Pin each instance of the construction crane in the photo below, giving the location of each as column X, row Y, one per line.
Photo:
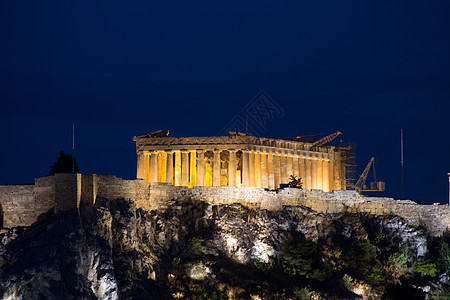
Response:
column 327, row 139
column 376, row 186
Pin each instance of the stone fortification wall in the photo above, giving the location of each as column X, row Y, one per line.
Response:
column 17, row 204
column 67, row 192
column 436, row 218
column 22, row 205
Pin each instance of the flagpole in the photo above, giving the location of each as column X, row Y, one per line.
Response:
column 73, row 147
column 401, row 158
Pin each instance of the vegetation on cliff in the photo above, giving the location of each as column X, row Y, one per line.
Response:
column 193, row 250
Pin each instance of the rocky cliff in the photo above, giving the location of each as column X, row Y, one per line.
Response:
column 194, row 250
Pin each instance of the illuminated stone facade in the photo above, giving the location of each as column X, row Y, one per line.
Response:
column 238, row 160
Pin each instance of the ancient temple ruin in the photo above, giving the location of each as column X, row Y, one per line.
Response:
column 238, row 160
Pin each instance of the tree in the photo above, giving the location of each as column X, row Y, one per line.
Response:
column 63, row 164
column 300, row 257
column 424, row 267
column 295, row 182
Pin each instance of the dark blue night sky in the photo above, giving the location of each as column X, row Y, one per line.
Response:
column 124, row 68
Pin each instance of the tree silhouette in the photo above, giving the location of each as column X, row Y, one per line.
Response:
column 63, row 164
column 295, row 182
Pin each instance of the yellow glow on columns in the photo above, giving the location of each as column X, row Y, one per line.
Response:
column 271, row 171
column 169, row 166
column 184, row 168
column 216, row 168
column 245, row 169
column 331, row 175
column 208, row 174
column 232, row 168
column 308, row 173
column 177, row 168
column 162, row 162
column 238, row 178
column 264, row 178
column 296, row 168
column 153, row 167
column 193, row 169
column 326, row 178
column 319, row 183
column 277, row 170
column 200, row 168
column 258, row 170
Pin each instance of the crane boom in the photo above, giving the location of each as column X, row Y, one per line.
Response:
column 362, row 179
column 327, row 139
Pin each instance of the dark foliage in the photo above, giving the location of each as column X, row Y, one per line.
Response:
column 63, row 164
column 295, row 182
column 300, row 257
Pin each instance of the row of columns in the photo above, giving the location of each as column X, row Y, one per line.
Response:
column 258, row 169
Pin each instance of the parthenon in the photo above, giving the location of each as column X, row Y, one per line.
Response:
column 238, row 160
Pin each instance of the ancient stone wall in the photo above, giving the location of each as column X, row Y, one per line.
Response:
column 17, row 204
column 22, row 205
column 67, row 192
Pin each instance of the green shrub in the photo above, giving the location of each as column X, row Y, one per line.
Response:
column 374, row 275
column 363, row 250
column 348, row 281
column 175, row 262
column 424, row 267
column 444, row 257
column 400, row 258
column 380, row 237
column 196, row 246
column 298, row 256
column 302, row 294
column 301, row 258
column 322, row 273
column 265, row 267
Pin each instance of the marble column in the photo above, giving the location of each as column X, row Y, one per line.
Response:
column 208, row 172
column 331, row 175
column 245, row 168
column 337, row 174
column 314, row 172
column 141, row 166
column 169, row 171
column 264, row 174
column 302, row 170
column 289, row 167
column 258, row 169
column 271, row 170
column 319, row 182
column 296, row 167
column 153, row 166
column 184, row 168
column 162, row 166
column 308, row 173
column 200, row 168
column 251, row 168
column 232, row 168
column 193, row 168
column 326, row 177
column 177, row 168
column 283, row 169
column 216, row 168
column 277, row 170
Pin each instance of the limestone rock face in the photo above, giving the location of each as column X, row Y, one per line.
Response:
column 118, row 251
